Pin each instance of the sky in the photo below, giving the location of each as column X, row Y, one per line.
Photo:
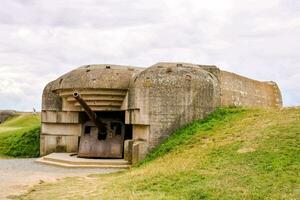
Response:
column 41, row 40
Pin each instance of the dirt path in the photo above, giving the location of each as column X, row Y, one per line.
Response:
column 17, row 175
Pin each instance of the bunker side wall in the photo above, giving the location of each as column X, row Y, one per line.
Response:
column 60, row 129
column 241, row 91
column 170, row 112
column 167, row 97
column 60, row 132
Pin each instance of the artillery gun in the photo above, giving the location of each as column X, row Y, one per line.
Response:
column 101, row 137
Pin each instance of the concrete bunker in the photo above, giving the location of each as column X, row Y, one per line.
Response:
column 6, row 114
column 111, row 111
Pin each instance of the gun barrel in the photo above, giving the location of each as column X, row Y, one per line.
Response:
column 92, row 115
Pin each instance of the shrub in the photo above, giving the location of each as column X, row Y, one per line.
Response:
column 26, row 144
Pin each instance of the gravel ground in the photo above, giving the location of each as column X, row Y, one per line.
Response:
column 17, row 175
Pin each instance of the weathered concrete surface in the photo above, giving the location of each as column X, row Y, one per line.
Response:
column 167, row 96
column 71, row 160
column 154, row 101
column 17, row 175
column 241, row 91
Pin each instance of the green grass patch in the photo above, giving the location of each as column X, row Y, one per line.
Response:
column 186, row 134
column 19, row 136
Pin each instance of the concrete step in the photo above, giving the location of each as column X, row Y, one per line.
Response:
column 67, row 160
column 85, row 161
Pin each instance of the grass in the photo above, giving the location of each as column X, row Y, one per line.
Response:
column 184, row 135
column 19, row 136
column 233, row 154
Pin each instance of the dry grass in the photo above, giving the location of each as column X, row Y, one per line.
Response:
column 238, row 154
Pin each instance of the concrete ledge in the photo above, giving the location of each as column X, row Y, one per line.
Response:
column 69, row 160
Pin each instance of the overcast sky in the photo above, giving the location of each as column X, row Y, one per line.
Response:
column 43, row 39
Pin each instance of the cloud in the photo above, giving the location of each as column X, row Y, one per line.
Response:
column 40, row 40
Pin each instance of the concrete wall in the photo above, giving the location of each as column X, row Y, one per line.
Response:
column 241, row 91
column 60, row 132
column 166, row 97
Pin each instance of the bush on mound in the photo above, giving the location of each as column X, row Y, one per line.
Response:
column 26, row 144
column 20, row 136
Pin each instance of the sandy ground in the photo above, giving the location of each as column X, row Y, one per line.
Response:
column 17, row 175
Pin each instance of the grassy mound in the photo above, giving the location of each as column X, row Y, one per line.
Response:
column 184, row 135
column 233, row 154
column 19, row 136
